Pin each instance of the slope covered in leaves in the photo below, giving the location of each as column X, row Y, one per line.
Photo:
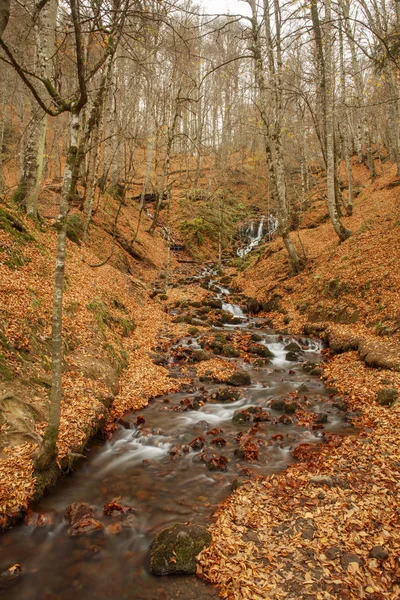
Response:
column 328, row 527
column 110, row 326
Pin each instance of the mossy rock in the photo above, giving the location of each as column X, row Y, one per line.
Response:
column 174, row 549
column 14, row 227
column 302, row 389
column 75, row 228
column 260, row 350
column 292, row 347
column 386, row 396
column 230, row 351
column 227, row 395
column 277, row 404
column 239, row 378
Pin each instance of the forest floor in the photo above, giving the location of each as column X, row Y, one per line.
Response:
column 329, row 526
column 287, row 536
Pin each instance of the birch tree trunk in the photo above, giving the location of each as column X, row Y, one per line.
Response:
column 273, row 143
column 47, row 452
column 338, row 226
column 29, row 185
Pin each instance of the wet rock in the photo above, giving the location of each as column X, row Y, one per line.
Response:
column 203, row 425
column 290, row 407
column 10, row 576
column 236, row 321
column 316, row 372
column 198, row 323
column 260, row 350
column 386, row 396
column 292, row 357
column 200, row 355
column 340, row 404
column 319, row 480
column 379, row 553
column 230, row 351
column 277, row 404
column 237, row 483
column 346, row 559
column 197, row 443
column 159, row 359
column 256, row 337
column 240, row 378
column 77, row 511
column 302, row 389
column 217, row 463
column 85, row 526
column 261, row 417
column 309, row 366
column 321, row 418
column 227, row 395
column 285, row 420
column 254, row 306
column 113, row 508
column 219, row 442
column 226, row 317
column 262, row 362
column 140, row 421
column 331, row 391
column 292, row 347
column 214, row 303
column 242, row 416
column 174, row 550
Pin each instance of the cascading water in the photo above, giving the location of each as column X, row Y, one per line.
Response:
column 152, row 465
column 268, row 225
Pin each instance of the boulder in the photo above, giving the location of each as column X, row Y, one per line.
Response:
column 292, row 356
column 386, row 396
column 230, row 351
column 239, row 378
column 227, row 395
column 214, row 303
column 292, row 347
column 200, row 355
column 174, row 549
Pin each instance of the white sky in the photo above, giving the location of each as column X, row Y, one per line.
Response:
column 236, row 7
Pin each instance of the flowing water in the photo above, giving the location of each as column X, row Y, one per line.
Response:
column 267, row 226
column 151, row 468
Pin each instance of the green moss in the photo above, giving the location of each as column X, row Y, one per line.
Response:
column 14, row 227
column 5, row 372
column 16, row 259
column 119, row 356
column 105, row 318
column 75, row 228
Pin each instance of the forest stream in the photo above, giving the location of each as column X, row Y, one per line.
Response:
column 154, row 465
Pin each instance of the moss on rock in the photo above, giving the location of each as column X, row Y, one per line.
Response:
column 174, row 549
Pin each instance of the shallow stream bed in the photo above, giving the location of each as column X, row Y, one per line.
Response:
column 151, row 467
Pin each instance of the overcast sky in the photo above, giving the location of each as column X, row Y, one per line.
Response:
column 224, row 6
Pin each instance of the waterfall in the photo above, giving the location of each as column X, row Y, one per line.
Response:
column 268, row 225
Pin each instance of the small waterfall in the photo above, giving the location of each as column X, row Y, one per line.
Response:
column 268, row 225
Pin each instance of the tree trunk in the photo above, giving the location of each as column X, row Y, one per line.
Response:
column 339, row 228
column 47, row 452
column 29, row 185
column 4, row 15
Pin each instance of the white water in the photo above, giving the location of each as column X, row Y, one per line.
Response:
column 269, row 228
